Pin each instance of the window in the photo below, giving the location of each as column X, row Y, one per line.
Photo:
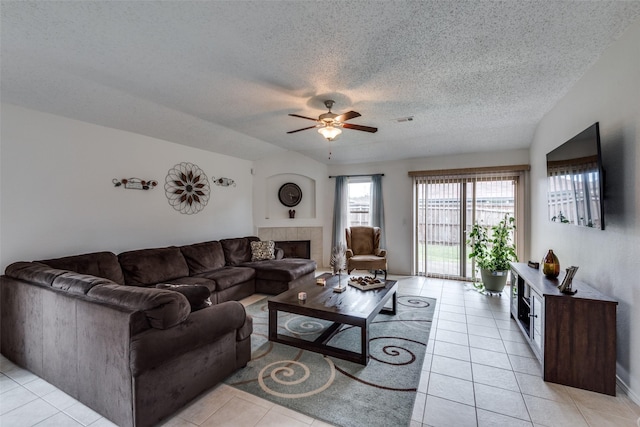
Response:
column 359, row 201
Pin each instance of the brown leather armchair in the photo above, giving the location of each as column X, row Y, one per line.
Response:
column 363, row 250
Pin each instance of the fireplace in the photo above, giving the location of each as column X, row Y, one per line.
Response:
column 295, row 234
column 295, row 248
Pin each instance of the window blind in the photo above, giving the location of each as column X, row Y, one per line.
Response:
column 448, row 202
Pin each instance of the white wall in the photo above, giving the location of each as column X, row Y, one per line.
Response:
column 313, row 211
column 270, row 173
column 608, row 93
column 57, row 198
column 397, row 192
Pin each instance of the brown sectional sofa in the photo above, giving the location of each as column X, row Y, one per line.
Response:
column 96, row 327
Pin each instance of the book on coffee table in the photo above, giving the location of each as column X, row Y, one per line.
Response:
column 366, row 286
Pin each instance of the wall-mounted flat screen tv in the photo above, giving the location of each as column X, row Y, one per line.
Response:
column 575, row 181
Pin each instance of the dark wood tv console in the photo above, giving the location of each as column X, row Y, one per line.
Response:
column 573, row 336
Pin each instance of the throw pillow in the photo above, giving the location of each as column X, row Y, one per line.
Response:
column 263, row 250
column 197, row 295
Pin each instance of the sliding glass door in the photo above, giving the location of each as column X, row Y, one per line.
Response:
column 438, row 233
column 446, row 206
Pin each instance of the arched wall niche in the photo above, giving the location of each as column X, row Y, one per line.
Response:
column 275, row 210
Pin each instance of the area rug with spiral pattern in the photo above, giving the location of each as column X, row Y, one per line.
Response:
column 339, row 392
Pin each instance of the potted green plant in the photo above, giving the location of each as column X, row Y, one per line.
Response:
column 492, row 254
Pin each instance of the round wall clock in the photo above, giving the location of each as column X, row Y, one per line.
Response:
column 290, row 194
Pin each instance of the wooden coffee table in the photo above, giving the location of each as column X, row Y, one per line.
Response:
column 351, row 307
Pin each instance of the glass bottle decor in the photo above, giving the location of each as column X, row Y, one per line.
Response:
column 550, row 265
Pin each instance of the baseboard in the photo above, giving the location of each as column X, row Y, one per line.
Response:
column 634, row 397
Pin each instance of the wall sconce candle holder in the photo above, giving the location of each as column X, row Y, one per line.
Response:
column 134, row 183
column 224, row 182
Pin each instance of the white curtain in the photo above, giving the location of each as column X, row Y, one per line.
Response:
column 377, row 207
column 340, row 211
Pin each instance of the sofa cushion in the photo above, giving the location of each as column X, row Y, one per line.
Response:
column 285, row 269
column 263, row 250
column 33, row 272
column 238, row 250
column 228, row 277
column 146, row 267
column 203, row 257
column 77, row 283
column 197, row 295
column 100, row 264
column 162, row 308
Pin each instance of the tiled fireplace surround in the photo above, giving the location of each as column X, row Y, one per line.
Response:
column 313, row 234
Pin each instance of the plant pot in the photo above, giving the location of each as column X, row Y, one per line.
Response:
column 494, row 281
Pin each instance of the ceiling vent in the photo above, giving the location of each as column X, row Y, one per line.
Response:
column 404, row 119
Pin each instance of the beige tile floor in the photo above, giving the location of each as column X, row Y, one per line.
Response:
column 478, row 371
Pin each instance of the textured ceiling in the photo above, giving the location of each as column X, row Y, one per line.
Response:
column 222, row 76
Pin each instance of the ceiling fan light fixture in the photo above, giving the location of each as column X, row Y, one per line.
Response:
column 329, row 132
column 330, row 124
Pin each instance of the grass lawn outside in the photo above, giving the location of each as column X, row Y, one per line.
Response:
column 442, row 259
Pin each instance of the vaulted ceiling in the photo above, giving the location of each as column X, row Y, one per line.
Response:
column 223, row 76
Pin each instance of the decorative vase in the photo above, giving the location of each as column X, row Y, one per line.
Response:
column 550, row 265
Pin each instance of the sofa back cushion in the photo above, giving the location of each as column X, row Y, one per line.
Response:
column 237, row 251
column 203, row 257
column 100, row 264
column 33, row 272
column 163, row 309
column 147, row 267
column 77, row 283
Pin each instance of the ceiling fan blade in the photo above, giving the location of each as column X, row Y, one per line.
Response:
column 347, row 116
column 303, row 117
column 358, row 127
column 298, row 130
